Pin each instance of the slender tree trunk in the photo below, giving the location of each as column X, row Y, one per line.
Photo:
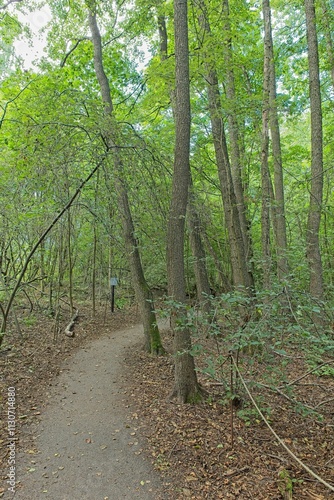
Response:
column 199, row 256
column 236, row 159
column 223, row 280
column 186, row 387
column 328, row 30
column 279, row 224
column 70, row 259
column 240, row 269
column 314, row 216
column 265, row 173
column 42, row 266
column 94, row 268
column 142, row 291
column 94, row 257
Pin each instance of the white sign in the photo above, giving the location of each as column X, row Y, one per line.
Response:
column 113, row 281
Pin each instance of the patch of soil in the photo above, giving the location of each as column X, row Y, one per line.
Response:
column 191, row 445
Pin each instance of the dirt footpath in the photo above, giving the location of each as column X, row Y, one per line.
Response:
column 88, row 448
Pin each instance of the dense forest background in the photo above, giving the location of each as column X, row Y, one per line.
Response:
column 96, row 183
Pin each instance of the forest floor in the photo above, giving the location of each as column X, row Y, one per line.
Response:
column 170, row 451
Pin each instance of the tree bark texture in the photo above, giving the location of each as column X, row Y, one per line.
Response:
column 199, row 256
column 316, row 195
column 266, row 184
column 186, row 387
column 193, row 219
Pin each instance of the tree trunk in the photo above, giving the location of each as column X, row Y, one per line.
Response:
column 278, row 209
column 241, row 275
column 142, row 291
column 186, row 387
column 95, row 240
column 266, row 186
column 199, row 256
column 236, row 161
column 314, row 216
column 193, row 219
column 70, row 259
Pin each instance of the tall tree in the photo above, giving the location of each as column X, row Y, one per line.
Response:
column 234, row 134
column 278, row 206
column 316, row 193
column 242, row 276
column 266, row 187
column 186, row 386
column 192, row 218
column 143, row 293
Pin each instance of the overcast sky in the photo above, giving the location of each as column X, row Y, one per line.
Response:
column 36, row 21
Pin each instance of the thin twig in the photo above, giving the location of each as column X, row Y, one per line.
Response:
column 287, row 449
column 9, row 3
column 324, row 402
column 307, row 373
column 281, row 393
column 67, row 55
column 236, row 472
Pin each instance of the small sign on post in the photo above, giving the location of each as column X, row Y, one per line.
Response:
column 113, row 283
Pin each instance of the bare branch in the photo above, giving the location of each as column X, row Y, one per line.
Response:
column 62, row 64
column 8, row 3
column 12, row 100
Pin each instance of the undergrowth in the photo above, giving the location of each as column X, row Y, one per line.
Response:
column 267, row 336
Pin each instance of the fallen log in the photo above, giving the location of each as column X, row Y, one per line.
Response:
column 69, row 329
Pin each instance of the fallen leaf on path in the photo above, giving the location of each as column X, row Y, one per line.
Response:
column 191, row 478
column 186, row 492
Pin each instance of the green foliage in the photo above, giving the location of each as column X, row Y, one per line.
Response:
column 263, row 334
column 51, row 121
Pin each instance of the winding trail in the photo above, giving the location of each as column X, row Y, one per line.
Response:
column 88, row 448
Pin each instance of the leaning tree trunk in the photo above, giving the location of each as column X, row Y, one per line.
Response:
column 186, row 387
column 142, row 290
column 314, row 216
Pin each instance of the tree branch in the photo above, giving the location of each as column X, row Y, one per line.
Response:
column 14, row 98
column 62, row 64
column 8, row 3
